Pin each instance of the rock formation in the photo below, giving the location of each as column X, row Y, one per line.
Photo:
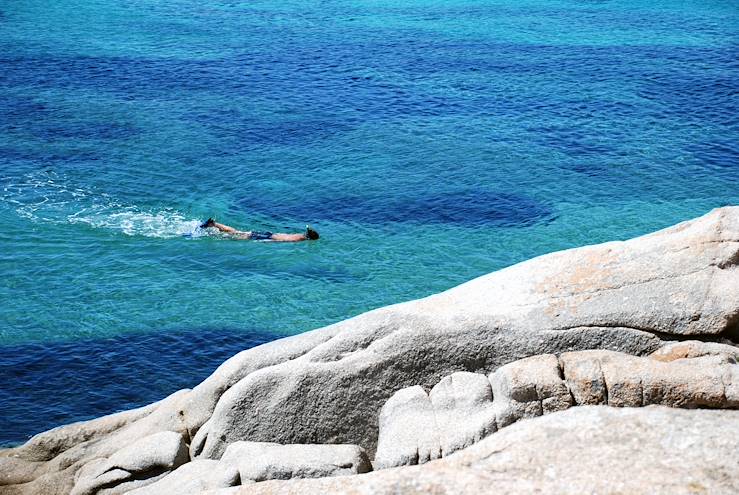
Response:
column 653, row 450
column 464, row 407
column 193, row 478
column 328, row 386
column 259, row 461
column 144, row 461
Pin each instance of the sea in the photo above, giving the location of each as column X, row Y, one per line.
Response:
column 428, row 142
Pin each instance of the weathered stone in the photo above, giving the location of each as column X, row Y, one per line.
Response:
column 197, row 408
column 591, row 449
column 99, row 483
column 162, row 450
column 528, row 388
column 416, row 428
column 731, row 387
column 408, row 430
column 694, row 348
column 463, row 408
column 193, row 478
column 259, row 461
column 621, row 380
column 459, row 415
column 47, row 445
column 16, row 471
column 584, row 379
column 139, row 464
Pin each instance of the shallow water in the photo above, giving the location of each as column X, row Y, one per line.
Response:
column 428, row 143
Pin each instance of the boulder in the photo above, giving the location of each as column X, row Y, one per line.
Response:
column 139, row 464
column 409, row 433
column 528, row 388
column 694, row 348
column 468, row 392
column 603, row 377
column 259, row 461
column 193, row 478
column 415, row 427
column 464, row 407
column 589, row 449
column 328, row 386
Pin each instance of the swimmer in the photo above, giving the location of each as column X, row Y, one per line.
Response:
column 256, row 235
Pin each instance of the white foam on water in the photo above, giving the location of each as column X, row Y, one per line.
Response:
column 135, row 222
column 47, row 197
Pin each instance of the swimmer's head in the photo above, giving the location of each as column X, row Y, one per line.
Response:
column 311, row 234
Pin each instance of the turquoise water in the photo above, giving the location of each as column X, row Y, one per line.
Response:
column 428, row 142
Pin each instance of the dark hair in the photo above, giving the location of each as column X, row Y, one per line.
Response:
column 311, row 234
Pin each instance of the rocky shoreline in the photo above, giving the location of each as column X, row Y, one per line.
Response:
column 457, row 382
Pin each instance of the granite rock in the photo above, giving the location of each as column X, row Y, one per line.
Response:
column 468, row 392
column 694, row 348
column 590, row 449
column 193, row 478
column 411, row 435
column 259, row 461
column 139, row 464
column 412, row 424
column 603, row 377
column 527, row 388
column 620, row 296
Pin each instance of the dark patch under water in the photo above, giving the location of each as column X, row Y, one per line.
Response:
column 65, row 382
column 368, row 98
column 467, row 207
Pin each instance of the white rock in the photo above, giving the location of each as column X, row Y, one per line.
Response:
column 136, row 465
column 193, row 478
column 408, row 430
column 592, row 449
column 462, row 409
column 259, row 461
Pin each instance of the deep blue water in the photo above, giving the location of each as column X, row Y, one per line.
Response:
column 121, row 372
column 428, row 142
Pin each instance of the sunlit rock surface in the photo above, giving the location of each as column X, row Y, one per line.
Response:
column 587, row 449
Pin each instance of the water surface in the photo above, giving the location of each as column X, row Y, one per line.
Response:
column 428, row 142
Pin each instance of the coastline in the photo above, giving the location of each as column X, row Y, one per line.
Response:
column 328, row 386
